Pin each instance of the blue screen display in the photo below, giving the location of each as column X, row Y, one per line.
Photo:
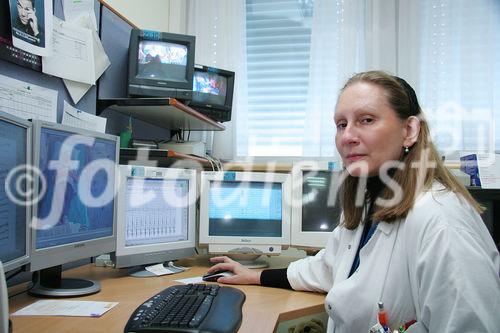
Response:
column 78, row 204
column 251, row 209
column 12, row 216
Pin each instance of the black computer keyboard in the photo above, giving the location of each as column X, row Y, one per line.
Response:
column 189, row 308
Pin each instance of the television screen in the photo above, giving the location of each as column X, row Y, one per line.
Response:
column 160, row 64
column 213, row 88
column 162, row 60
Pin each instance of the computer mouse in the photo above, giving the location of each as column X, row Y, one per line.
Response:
column 212, row 277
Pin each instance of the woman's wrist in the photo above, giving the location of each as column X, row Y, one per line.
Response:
column 256, row 279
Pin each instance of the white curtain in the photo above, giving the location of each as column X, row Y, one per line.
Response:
column 219, row 27
column 450, row 51
column 337, row 51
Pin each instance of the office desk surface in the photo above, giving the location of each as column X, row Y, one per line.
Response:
column 262, row 310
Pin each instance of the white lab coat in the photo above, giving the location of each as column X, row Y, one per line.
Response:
column 438, row 266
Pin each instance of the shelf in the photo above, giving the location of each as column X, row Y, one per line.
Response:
column 163, row 112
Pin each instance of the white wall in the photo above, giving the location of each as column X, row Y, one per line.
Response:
column 146, row 14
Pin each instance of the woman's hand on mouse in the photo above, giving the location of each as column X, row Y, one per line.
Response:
column 242, row 275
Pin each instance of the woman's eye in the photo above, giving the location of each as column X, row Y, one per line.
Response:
column 367, row 120
column 341, row 125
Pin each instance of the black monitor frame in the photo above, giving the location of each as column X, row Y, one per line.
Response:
column 220, row 113
column 142, row 87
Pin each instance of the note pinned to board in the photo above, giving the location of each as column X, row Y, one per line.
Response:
column 73, row 55
column 26, row 100
column 66, row 308
column 80, row 119
column 101, row 62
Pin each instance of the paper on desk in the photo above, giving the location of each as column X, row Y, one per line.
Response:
column 101, row 61
column 73, row 56
column 26, row 100
column 160, row 269
column 74, row 10
column 77, row 118
column 66, row 308
column 196, row 279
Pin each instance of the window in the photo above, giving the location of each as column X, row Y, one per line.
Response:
column 278, row 37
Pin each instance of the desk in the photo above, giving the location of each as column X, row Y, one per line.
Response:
column 263, row 309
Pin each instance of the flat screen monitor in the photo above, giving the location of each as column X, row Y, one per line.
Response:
column 15, row 187
column 245, row 214
column 213, row 92
column 316, row 208
column 156, row 217
column 74, row 217
column 160, row 64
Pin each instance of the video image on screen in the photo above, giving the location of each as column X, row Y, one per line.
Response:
column 77, row 221
column 319, row 211
column 245, row 209
column 162, row 61
column 163, row 218
column 12, row 216
column 211, row 88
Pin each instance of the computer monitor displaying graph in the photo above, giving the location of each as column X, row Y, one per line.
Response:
column 74, row 217
column 15, row 188
column 245, row 214
column 316, row 203
column 156, row 217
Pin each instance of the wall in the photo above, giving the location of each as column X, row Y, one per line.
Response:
column 146, row 14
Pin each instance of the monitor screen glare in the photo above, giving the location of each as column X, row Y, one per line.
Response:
column 12, row 216
column 320, row 210
column 162, row 61
column 213, row 87
column 162, row 218
column 65, row 212
column 249, row 209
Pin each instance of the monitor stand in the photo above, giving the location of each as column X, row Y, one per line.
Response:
column 49, row 283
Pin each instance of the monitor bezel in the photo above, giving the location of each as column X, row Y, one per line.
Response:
column 138, row 35
column 62, row 254
column 228, row 103
column 245, row 176
column 150, row 254
column 299, row 238
column 24, row 259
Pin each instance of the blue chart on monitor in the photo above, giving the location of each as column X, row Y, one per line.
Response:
column 162, row 60
column 157, row 211
column 12, row 216
column 77, row 221
column 245, row 209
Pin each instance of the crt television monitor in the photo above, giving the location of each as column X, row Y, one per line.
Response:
column 15, row 188
column 160, row 64
column 156, row 216
column 316, row 207
column 245, row 214
column 74, row 217
column 213, row 92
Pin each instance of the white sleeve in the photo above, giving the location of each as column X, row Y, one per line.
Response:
column 457, row 279
column 315, row 273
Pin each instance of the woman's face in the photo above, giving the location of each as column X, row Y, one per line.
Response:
column 369, row 133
